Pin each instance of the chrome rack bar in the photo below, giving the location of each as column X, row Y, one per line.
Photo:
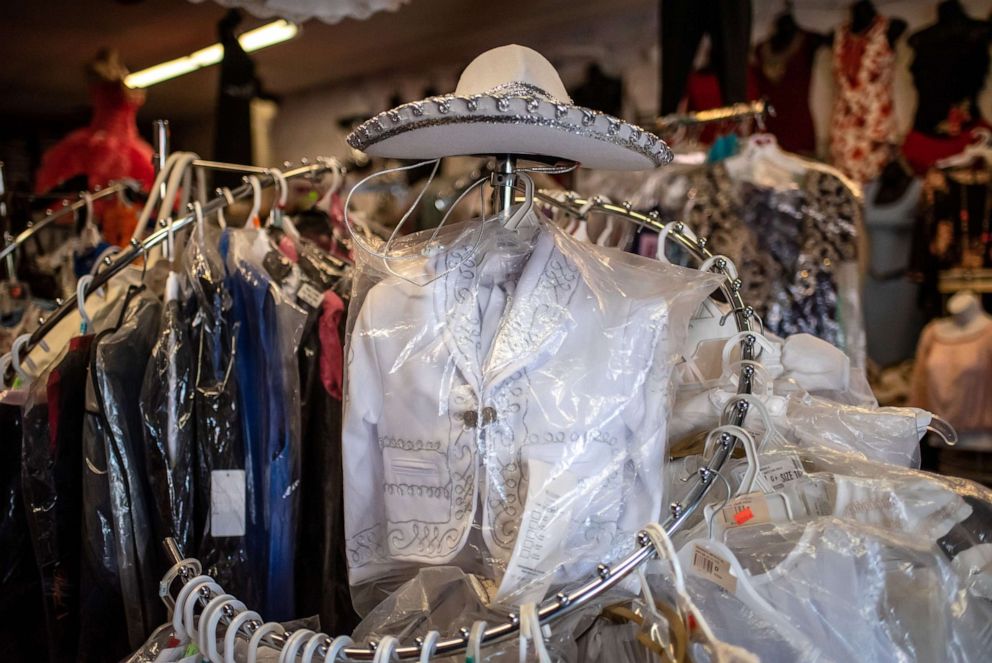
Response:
column 756, row 109
column 51, row 216
column 230, row 167
column 115, row 264
column 608, row 576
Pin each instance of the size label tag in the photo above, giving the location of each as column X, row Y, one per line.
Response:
column 779, row 473
column 749, row 509
column 310, row 296
column 546, row 521
column 713, row 567
column 227, row 503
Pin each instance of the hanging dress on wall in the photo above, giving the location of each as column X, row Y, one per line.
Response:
column 863, row 123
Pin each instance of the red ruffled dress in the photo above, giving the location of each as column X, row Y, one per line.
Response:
column 108, row 149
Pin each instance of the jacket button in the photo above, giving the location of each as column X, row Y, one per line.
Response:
column 470, row 418
column 488, row 415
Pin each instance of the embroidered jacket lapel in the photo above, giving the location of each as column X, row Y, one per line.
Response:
column 538, row 319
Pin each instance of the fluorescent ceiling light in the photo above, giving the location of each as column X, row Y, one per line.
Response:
column 253, row 40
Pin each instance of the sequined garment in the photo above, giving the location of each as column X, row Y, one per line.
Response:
column 785, row 243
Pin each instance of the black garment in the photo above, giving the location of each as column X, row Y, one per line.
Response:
column 52, row 473
column 218, row 434
column 321, row 565
column 22, row 617
column 683, row 24
column 950, row 63
column 118, row 370
column 103, row 636
column 953, row 230
column 170, row 427
column 600, row 91
column 238, row 86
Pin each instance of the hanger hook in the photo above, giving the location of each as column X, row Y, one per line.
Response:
column 15, row 354
column 81, row 285
column 256, row 201
column 5, row 362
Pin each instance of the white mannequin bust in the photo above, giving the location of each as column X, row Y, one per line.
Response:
column 967, row 315
column 966, row 319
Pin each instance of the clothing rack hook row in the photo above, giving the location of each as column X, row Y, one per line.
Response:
column 140, row 248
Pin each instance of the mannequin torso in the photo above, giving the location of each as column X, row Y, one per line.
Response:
column 967, row 316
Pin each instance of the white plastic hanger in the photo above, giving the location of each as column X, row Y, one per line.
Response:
column 188, row 590
column 256, row 202
column 530, row 631
column 605, row 238
column 229, row 199
column 209, row 621
column 763, row 162
column 5, row 362
column 430, row 644
column 279, row 204
column 256, row 639
column 979, row 149
column 336, row 650
column 231, row 634
column 473, row 647
column 198, row 214
column 15, row 355
column 81, row 286
column 386, row 651
column 293, row 644
column 750, row 452
column 745, row 590
column 316, row 641
column 663, row 238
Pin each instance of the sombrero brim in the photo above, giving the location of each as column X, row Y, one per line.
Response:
column 509, row 124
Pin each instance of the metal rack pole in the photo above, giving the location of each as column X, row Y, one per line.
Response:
column 51, row 216
column 503, row 179
column 608, row 576
column 163, row 137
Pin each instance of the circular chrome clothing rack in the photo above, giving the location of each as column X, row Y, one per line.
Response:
column 569, row 600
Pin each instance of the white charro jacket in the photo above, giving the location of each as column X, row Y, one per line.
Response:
column 523, row 394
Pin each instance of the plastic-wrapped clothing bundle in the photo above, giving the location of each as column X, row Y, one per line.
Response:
column 507, row 402
column 267, row 342
column 853, row 591
column 167, row 408
column 118, row 369
column 22, row 618
column 885, row 434
column 103, row 636
column 52, row 473
column 810, row 483
column 222, row 547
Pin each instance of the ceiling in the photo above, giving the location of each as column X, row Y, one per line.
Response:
column 46, row 43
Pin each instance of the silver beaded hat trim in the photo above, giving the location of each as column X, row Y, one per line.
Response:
column 511, row 103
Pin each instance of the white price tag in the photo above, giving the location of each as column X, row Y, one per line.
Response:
column 310, row 295
column 227, row 503
column 781, row 472
column 749, row 509
column 713, row 567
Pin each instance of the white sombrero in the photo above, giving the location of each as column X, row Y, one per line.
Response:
column 509, row 100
